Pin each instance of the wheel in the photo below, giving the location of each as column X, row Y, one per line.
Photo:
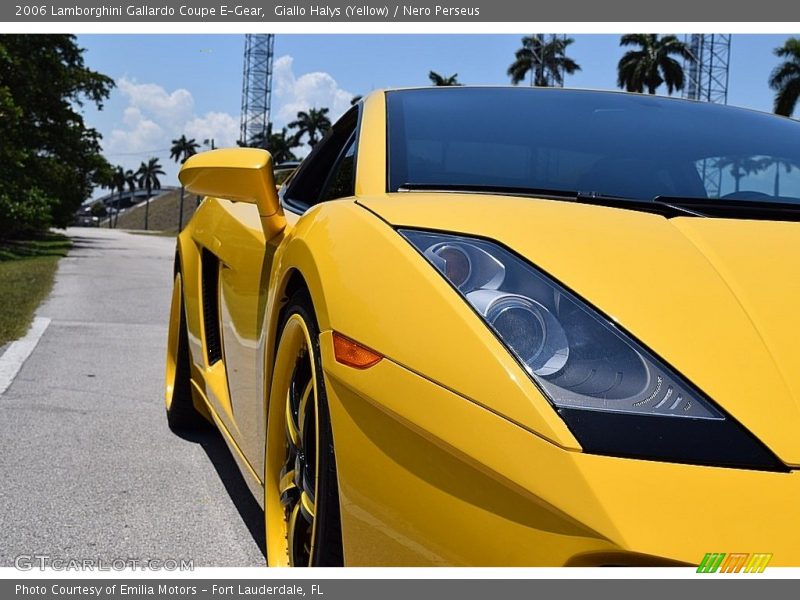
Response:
column 301, row 498
column 181, row 413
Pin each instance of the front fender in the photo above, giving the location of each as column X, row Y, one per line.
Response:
column 368, row 283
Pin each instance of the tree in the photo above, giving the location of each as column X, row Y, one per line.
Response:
column 130, row 181
column 740, row 166
column 312, row 123
column 98, row 209
column 147, row 176
column 652, row 64
column 182, row 149
column 118, row 185
column 785, row 78
column 787, row 166
column 49, row 159
column 280, row 146
column 442, row 81
column 545, row 60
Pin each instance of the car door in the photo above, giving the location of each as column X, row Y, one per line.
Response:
column 327, row 173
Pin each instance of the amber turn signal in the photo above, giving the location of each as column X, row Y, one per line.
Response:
column 353, row 354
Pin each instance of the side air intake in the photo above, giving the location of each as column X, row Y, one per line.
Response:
column 210, row 268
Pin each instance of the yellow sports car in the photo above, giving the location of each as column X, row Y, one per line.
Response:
column 501, row 326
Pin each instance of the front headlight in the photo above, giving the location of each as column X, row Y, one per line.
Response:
column 615, row 395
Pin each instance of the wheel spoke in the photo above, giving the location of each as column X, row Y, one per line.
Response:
column 307, row 506
column 301, row 411
column 288, row 490
column 297, row 480
column 291, row 533
column 292, row 431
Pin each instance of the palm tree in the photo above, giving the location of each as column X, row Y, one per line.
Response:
column 108, row 184
column 118, row 185
column 441, row 80
column 653, row 63
column 545, row 60
column 787, row 166
column 313, row 123
column 280, row 146
column 147, row 176
column 129, row 179
column 785, row 78
column 740, row 167
column 180, row 151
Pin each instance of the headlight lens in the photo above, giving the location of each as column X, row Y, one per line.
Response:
column 598, row 377
column 579, row 358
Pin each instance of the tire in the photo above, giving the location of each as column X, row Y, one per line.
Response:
column 325, row 530
column 181, row 413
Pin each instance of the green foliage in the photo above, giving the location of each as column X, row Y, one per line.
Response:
column 785, row 78
column 49, row 159
column 313, row 123
column 545, row 59
column 24, row 212
column 183, row 148
column 98, row 209
column 443, row 81
column 652, row 64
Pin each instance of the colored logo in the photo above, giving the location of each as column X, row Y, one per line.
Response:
column 719, row 562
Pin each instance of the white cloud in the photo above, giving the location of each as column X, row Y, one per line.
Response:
column 292, row 93
column 219, row 126
column 155, row 100
column 154, row 116
column 140, row 133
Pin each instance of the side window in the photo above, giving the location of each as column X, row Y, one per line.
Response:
column 341, row 183
column 325, row 169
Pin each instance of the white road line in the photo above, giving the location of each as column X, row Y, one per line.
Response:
column 18, row 352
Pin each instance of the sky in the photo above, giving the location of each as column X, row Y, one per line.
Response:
column 169, row 85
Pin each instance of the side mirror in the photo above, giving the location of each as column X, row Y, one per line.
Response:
column 240, row 175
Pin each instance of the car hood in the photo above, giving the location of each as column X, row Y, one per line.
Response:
column 718, row 299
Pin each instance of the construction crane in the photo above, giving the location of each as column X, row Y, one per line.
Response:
column 255, row 124
column 707, row 79
column 707, row 76
column 540, row 72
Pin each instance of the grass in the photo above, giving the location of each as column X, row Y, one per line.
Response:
column 27, row 269
column 163, row 213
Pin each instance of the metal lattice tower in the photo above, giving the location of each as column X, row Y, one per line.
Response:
column 707, row 80
column 538, row 59
column 256, row 89
column 707, row 77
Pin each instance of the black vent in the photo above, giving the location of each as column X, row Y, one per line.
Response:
column 210, row 266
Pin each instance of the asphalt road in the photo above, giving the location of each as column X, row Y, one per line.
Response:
column 89, row 468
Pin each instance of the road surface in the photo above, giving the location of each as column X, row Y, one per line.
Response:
column 89, row 468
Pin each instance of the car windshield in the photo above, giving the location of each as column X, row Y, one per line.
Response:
column 603, row 143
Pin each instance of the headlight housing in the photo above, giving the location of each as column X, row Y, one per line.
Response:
column 615, row 395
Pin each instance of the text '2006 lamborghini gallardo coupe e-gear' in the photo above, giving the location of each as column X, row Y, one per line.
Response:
column 500, row 326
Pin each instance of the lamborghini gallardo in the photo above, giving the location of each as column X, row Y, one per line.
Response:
column 501, row 326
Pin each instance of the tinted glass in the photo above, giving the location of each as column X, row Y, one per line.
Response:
column 342, row 183
column 305, row 188
column 615, row 144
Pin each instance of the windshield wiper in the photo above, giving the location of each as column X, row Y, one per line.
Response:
column 476, row 188
column 735, row 209
column 656, row 206
column 667, row 206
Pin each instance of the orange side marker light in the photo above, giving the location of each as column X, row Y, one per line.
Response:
column 353, row 354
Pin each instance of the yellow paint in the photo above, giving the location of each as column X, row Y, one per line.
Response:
column 446, row 451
